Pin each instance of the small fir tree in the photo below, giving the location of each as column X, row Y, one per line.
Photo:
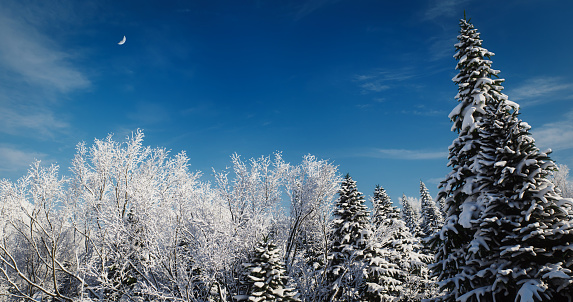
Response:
column 403, row 273
column 410, row 216
column 432, row 219
column 267, row 279
column 381, row 207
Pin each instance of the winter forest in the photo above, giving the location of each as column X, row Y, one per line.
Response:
column 132, row 223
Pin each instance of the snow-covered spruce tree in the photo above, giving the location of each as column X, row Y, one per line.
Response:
column 432, row 219
column 399, row 268
column 410, row 216
column 507, row 236
column 383, row 277
column 267, row 279
column 349, row 238
column 522, row 245
column 381, row 207
column 442, row 206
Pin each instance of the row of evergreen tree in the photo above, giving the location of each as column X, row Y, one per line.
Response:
column 377, row 255
column 503, row 231
column 133, row 224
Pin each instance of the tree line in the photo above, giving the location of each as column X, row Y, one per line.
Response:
column 133, row 223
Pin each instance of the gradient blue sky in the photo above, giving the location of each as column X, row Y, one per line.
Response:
column 365, row 84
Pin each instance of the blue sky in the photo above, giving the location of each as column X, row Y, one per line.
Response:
column 365, row 84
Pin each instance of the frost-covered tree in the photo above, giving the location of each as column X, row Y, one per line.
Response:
column 410, row 215
column 311, row 187
column 40, row 258
column 431, row 216
column 507, row 233
column 349, row 238
column 266, row 276
column 560, row 178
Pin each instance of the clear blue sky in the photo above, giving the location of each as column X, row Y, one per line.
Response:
column 365, row 84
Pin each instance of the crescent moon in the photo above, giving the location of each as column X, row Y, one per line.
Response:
column 122, row 41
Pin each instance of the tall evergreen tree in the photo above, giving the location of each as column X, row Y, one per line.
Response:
column 384, row 278
column 508, row 232
column 349, row 239
column 432, row 219
column 410, row 216
column 382, row 207
column 267, row 279
column 399, row 268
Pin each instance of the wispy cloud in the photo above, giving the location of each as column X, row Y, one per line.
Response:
column 36, row 70
column 34, row 58
column 406, row 154
column 380, row 80
column 541, row 90
column 38, row 121
column 443, row 8
column 311, row 6
column 149, row 113
column 15, row 160
column 423, row 110
column 441, row 47
column 556, row 135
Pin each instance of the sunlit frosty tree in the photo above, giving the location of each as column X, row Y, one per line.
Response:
column 560, row 178
column 508, row 234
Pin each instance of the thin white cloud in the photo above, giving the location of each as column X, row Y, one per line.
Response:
column 556, row 135
column 311, row 6
column 407, row 154
column 374, row 86
column 434, row 181
column 441, row 47
column 15, row 160
column 37, row 72
column 541, row 90
column 37, row 121
column 149, row 113
column 443, row 8
column 423, row 110
column 34, row 58
column 381, row 80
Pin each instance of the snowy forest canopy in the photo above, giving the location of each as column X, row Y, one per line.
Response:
column 132, row 223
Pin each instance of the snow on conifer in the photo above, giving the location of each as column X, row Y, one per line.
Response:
column 349, row 238
column 410, row 215
column 508, row 236
column 400, row 270
column 459, row 190
column 432, row 219
column 381, row 206
column 266, row 279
